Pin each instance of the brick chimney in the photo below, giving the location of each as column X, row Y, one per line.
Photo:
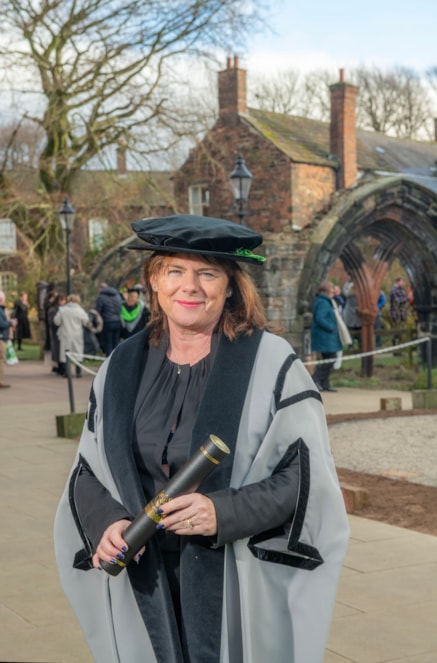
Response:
column 343, row 140
column 232, row 89
column 121, row 158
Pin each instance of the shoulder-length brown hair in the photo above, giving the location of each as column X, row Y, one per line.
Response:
column 243, row 311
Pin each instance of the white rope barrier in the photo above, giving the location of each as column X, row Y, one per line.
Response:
column 78, row 358
column 417, row 341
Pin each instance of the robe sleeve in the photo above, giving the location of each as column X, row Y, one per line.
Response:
column 257, row 507
column 96, row 508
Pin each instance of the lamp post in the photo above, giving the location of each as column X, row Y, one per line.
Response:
column 66, row 218
column 241, row 179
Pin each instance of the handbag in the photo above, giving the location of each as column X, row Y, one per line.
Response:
column 11, row 355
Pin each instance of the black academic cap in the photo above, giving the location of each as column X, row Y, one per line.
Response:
column 201, row 235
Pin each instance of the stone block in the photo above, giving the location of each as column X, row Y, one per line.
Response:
column 70, row 425
column 394, row 403
column 355, row 498
column 424, row 399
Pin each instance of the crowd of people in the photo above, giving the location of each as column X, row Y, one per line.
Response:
column 336, row 322
column 69, row 327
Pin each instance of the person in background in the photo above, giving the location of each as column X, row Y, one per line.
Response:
column 382, row 300
column 90, row 334
column 134, row 313
column 48, row 303
column 398, row 306
column 22, row 328
column 5, row 328
column 339, row 299
column 248, row 565
column 350, row 312
column 71, row 319
column 108, row 305
column 59, row 300
column 325, row 337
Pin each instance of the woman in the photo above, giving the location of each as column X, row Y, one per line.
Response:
column 325, row 337
column 70, row 320
column 350, row 312
column 245, row 569
column 134, row 314
column 20, row 313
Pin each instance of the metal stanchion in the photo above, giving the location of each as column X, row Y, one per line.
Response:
column 70, row 384
column 429, row 361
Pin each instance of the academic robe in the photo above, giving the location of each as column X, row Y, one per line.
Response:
column 273, row 593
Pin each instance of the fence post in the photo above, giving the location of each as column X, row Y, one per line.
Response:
column 429, row 361
column 70, row 385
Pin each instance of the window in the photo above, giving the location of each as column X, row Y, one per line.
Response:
column 8, row 236
column 97, row 230
column 8, row 281
column 198, row 198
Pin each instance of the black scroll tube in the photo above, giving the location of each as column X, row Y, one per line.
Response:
column 186, row 480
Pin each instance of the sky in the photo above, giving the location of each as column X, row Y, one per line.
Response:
column 334, row 34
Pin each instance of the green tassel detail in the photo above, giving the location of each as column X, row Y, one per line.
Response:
column 246, row 253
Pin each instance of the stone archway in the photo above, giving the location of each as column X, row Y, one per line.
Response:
column 400, row 214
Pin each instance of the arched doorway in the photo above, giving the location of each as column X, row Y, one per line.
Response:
column 400, row 215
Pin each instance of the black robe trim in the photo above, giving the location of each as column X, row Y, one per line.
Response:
column 297, row 554
column 82, row 559
column 201, row 567
column 91, row 411
column 297, row 398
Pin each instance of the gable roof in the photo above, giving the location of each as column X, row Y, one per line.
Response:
column 307, row 141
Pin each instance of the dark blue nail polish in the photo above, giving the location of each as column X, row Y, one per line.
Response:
column 120, row 556
column 100, row 568
column 160, row 511
column 124, row 548
column 160, row 526
column 113, row 561
column 138, row 559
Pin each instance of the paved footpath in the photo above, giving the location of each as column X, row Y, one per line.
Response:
column 387, row 600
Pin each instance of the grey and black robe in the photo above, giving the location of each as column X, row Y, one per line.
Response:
column 266, row 597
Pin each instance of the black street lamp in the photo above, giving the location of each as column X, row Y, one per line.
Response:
column 66, row 218
column 241, row 179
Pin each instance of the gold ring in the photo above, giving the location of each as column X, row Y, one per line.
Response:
column 189, row 524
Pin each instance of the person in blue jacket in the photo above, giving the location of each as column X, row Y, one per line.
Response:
column 325, row 337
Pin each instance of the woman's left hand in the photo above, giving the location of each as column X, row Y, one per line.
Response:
column 188, row 515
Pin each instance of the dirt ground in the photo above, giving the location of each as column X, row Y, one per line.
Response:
column 396, row 501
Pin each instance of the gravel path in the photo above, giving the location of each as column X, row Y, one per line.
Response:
column 397, row 447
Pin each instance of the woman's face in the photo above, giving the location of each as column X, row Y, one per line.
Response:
column 191, row 292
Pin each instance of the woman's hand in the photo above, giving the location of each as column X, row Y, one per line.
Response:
column 112, row 546
column 188, row 515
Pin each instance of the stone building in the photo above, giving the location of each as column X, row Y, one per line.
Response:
column 321, row 192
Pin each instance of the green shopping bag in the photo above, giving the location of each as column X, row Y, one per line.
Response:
column 11, row 355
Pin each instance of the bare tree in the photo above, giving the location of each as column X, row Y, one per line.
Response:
column 278, row 93
column 316, row 102
column 393, row 102
column 102, row 67
column 292, row 93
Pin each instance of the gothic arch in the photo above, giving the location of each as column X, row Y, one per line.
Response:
column 400, row 215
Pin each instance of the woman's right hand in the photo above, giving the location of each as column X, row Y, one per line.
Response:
column 112, row 545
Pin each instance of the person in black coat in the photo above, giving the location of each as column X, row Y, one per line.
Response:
column 108, row 305
column 22, row 329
